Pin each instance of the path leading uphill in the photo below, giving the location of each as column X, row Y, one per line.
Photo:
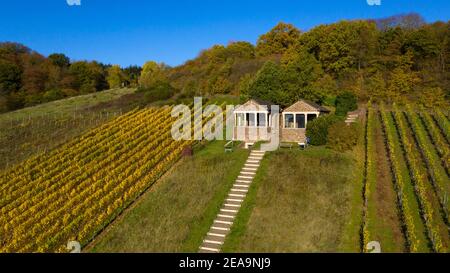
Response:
column 352, row 116
column 224, row 220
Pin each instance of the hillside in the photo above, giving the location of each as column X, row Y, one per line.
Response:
column 87, row 152
column 396, row 59
column 72, row 192
column 175, row 214
column 41, row 128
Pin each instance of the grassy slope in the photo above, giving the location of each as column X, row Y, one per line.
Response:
column 351, row 239
column 66, row 106
column 300, row 202
column 31, row 130
column 176, row 214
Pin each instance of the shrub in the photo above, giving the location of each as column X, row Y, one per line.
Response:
column 160, row 90
column 53, row 94
column 345, row 103
column 317, row 130
column 342, row 137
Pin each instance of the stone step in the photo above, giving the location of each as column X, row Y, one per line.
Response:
column 243, row 181
column 253, row 161
column 232, row 205
column 220, row 228
column 239, row 190
column 245, row 177
column 248, row 173
column 216, row 234
column 225, row 218
column 213, row 242
column 236, row 195
column 229, row 210
column 209, row 249
column 223, row 222
column 234, row 200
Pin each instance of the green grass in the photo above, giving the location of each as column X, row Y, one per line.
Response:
column 66, row 106
column 351, row 239
column 176, row 214
column 300, row 201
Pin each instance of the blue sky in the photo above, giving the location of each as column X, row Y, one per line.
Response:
column 129, row 32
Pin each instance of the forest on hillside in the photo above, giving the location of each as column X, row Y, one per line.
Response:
column 396, row 59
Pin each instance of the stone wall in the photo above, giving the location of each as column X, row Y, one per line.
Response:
column 292, row 135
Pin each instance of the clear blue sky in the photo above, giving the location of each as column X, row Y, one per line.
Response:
column 133, row 31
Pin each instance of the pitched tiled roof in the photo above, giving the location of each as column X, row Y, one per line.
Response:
column 305, row 106
column 255, row 105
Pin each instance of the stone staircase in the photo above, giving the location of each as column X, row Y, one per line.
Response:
column 352, row 116
column 224, row 220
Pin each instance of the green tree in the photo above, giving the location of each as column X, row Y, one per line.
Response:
column 345, row 103
column 342, row 47
column 244, row 87
column 268, row 85
column 317, row 130
column 301, row 70
column 277, row 40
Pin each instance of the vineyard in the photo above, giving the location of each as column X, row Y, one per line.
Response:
column 406, row 203
column 73, row 192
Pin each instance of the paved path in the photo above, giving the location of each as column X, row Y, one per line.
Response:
column 224, row 220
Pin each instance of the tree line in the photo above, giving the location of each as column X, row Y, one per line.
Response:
column 28, row 78
column 397, row 59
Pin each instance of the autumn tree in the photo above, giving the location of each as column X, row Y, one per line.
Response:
column 88, row 76
column 132, row 74
column 377, row 87
column 152, row 73
column 433, row 97
column 115, row 76
column 401, row 84
column 59, row 59
column 277, row 40
column 243, row 50
column 10, row 77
